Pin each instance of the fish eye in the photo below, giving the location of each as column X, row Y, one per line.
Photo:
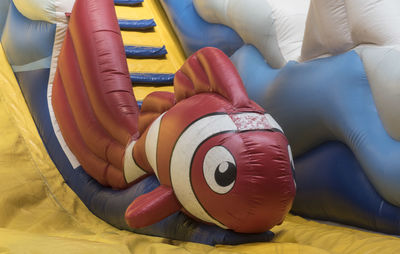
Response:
column 219, row 169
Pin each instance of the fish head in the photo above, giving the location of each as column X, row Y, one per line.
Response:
column 240, row 178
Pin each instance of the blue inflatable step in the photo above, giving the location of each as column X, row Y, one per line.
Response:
column 142, row 24
column 153, row 79
column 140, row 52
column 127, row 2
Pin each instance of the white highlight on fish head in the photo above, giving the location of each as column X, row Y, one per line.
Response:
column 251, row 121
column 151, row 143
column 181, row 159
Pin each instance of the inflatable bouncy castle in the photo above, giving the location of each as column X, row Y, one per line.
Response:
column 152, row 126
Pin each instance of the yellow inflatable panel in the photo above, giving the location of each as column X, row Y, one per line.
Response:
column 40, row 214
column 162, row 35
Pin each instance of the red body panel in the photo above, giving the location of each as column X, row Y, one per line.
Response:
column 101, row 57
column 97, row 138
column 99, row 169
column 94, row 87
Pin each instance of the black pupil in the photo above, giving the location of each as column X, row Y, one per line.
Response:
column 226, row 177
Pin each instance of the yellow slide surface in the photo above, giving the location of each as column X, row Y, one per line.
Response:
column 40, row 214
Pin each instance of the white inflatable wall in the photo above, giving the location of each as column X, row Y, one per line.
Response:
column 274, row 27
column 46, row 10
column 372, row 29
column 303, row 30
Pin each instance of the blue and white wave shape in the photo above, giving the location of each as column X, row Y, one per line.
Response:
column 334, row 97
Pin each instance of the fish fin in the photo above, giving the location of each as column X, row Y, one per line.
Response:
column 154, row 105
column 209, row 70
column 94, row 102
column 152, row 207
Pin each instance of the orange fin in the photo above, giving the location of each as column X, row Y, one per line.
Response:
column 154, row 105
column 152, row 207
column 209, row 70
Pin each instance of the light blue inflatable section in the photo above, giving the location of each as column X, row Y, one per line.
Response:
column 253, row 69
column 17, row 31
column 331, row 185
column 323, row 100
column 330, row 99
column 4, row 5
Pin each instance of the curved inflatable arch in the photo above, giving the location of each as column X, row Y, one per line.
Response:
column 349, row 100
column 34, row 62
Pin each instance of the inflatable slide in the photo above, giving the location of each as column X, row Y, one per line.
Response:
column 48, row 199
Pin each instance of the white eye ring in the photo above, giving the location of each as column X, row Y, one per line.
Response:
column 219, row 169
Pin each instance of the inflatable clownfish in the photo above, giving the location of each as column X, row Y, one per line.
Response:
column 218, row 156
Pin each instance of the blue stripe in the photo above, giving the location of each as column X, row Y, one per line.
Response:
column 194, row 33
column 127, row 2
column 332, row 185
column 134, row 51
column 142, row 24
column 153, row 78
